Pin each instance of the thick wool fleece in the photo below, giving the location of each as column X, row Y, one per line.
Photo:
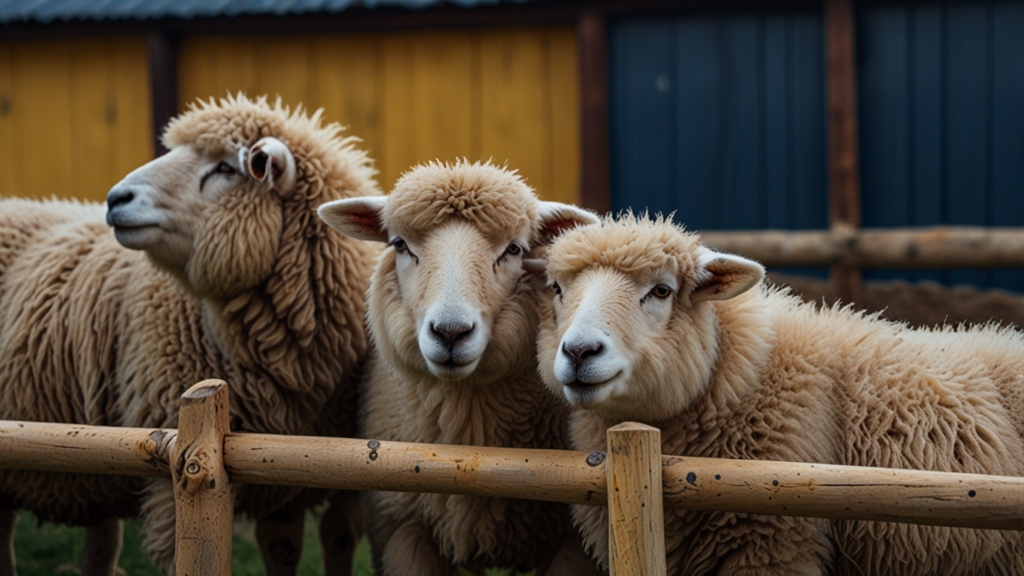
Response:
column 93, row 333
column 790, row 381
column 503, row 403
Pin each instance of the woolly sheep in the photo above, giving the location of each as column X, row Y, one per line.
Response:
column 648, row 325
column 231, row 275
column 451, row 309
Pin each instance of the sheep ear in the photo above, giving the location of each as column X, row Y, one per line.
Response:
column 556, row 218
column 361, row 218
column 724, row 276
column 271, row 162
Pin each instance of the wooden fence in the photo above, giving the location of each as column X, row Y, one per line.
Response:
column 202, row 458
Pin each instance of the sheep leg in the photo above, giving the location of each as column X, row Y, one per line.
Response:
column 341, row 528
column 8, row 520
column 570, row 559
column 411, row 551
column 102, row 548
column 158, row 523
column 280, row 542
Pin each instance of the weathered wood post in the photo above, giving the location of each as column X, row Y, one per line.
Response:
column 202, row 495
column 636, row 517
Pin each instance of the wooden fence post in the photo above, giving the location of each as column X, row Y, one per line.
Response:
column 202, row 496
column 636, row 517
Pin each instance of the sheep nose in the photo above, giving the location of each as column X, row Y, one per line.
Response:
column 119, row 196
column 450, row 332
column 579, row 352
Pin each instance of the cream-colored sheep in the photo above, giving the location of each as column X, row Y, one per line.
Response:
column 231, row 275
column 452, row 312
column 645, row 324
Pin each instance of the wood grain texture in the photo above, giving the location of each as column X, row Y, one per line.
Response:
column 921, row 248
column 76, row 118
column 636, row 515
column 507, row 94
column 203, row 504
column 752, row 486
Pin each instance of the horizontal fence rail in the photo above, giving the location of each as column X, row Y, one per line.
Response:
column 752, row 486
column 928, row 247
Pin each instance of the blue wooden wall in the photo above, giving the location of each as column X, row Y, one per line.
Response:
column 722, row 119
column 941, row 95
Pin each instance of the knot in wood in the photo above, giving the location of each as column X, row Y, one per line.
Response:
column 193, row 468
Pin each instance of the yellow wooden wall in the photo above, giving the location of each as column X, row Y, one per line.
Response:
column 74, row 116
column 506, row 94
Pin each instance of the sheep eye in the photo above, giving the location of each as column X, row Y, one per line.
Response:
column 225, row 168
column 660, row 292
column 400, row 245
column 514, row 249
column 557, row 288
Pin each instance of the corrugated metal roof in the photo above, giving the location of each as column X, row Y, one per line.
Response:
column 50, row 10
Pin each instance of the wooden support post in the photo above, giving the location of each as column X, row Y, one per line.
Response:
column 162, row 53
column 202, row 495
column 636, row 522
column 843, row 157
column 595, row 185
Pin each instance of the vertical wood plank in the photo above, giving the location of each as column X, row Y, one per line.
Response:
column 203, row 503
column 1007, row 207
column 348, row 69
column 700, row 102
column 636, row 524
column 445, row 96
column 740, row 178
column 777, row 123
column 515, row 119
column 41, row 105
column 162, row 56
column 282, row 68
column 133, row 136
column 93, row 111
column 7, row 134
column 844, row 165
column 397, row 127
column 563, row 67
column 592, row 33
column 642, row 123
column 215, row 66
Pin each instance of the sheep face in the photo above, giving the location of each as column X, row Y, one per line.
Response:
column 454, row 280
column 631, row 332
column 211, row 217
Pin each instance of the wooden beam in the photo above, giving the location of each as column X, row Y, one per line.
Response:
column 636, row 515
column 204, row 508
column 921, row 248
column 595, row 173
column 751, row 486
column 843, row 157
column 162, row 53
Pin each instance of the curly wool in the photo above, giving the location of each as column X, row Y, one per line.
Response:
column 93, row 333
column 503, row 403
column 795, row 382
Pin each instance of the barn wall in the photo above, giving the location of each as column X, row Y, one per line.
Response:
column 507, row 94
column 74, row 116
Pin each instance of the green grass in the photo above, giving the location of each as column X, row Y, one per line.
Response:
column 53, row 550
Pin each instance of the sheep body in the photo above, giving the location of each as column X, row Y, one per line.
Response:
column 763, row 376
column 268, row 301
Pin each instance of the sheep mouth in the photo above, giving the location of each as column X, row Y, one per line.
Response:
column 137, row 237
column 581, row 385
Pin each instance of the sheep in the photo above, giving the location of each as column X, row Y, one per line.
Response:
column 646, row 324
column 229, row 274
column 452, row 313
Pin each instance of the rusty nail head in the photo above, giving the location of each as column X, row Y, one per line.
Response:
column 595, row 458
column 193, row 468
column 373, row 444
column 373, row 455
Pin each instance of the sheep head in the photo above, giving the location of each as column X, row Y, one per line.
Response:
column 630, row 331
column 452, row 298
column 240, row 182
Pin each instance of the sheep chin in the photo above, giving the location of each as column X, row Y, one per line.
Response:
column 452, row 372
